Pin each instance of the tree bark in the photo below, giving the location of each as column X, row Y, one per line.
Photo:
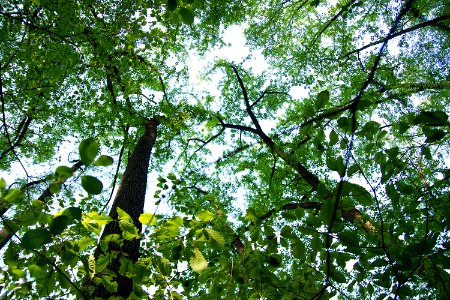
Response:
column 130, row 197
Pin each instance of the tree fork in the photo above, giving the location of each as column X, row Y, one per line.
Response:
column 130, row 197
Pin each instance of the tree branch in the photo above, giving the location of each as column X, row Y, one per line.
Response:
column 394, row 35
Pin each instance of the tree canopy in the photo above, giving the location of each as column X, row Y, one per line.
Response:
column 255, row 190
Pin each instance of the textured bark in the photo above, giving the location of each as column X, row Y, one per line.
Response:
column 130, row 197
column 7, row 232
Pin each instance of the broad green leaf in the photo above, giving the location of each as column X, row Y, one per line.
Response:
column 14, row 196
column 126, row 267
column 205, row 216
column 123, row 214
column 170, row 229
column 198, row 262
column 129, row 231
column 187, row 15
column 322, row 99
column 88, row 150
column 104, row 160
column 109, row 283
column 35, row 238
column 334, row 138
column 336, row 164
column 59, row 224
column 431, row 118
column 172, row 4
column 164, row 266
column 85, row 241
column 73, row 213
column 2, row 184
column 148, row 219
column 29, row 218
column 91, row 184
column 54, row 187
column 63, row 172
column 216, row 236
column 361, row 194
column 37, row 272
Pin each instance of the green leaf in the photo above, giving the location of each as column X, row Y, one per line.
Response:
column 35, row 238
column 59, row 224
column 63, row 172
column 334, row 138
column 434, row 135
column 88, row 150
column 361, row 195
column 198, row 262
column 2, row 184
column 336, row 164
column 91, row 184
column 73, row 213
column 164, row 266
column 172, row 4
column 37, row 272
column 104, row 160
column 54, row 187
column 322, row 99
column 216, row 237
column 187, row 15
column 14, row 196
column 431, row 118
column 148, row 219
column 109, row 283
column 205, row 216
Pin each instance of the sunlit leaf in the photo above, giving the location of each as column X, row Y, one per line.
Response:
column 205, row 216
column 148, row 219
column 14, row 196
column 198, row 262
column 216, row 236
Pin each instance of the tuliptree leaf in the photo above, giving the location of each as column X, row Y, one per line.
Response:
column 91, row 184
column 88, row 150
column 35, row 238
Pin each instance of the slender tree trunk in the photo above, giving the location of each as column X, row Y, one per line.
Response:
column 130, row 197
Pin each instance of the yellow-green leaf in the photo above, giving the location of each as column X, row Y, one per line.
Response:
column 198, row 262
column 205, row 216
column 148, row 219
column 216, row 236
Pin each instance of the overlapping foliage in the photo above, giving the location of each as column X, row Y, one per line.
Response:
column 343, row 190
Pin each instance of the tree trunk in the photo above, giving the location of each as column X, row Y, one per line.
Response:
column 130, row 197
